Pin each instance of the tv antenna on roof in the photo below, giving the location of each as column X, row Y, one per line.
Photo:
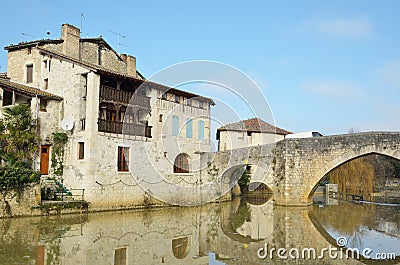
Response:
column 25, row 34
column 118, row 39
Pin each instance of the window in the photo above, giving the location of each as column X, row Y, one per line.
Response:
column 200, row 131
column 189, row 102
column 181, row 164
column 123, row 158
column 7, row 98
column 43, row 104
column 179, row 247
column 164, row 96
column 160, row 118
column 46, row 83
column 29, row 51
column 29, row 73
column 175, row 125
column 48, row 65
column 189, row 128
column 83, row 124
column 81, row 150
column 45, row 64
column 201, row 104
column 177, row 99
column 120, row 256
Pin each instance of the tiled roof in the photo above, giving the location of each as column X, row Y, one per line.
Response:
column 5, row 83
column 107, row 71
column 31, row 44
column 254, row 125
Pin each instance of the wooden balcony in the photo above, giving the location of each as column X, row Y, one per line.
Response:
column 119, row 128
column 114, row 95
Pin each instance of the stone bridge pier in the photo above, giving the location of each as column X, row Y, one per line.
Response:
column 293, row 167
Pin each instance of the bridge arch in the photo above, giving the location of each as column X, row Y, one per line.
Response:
column 344, row 158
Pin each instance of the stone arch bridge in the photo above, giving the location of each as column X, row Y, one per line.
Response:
column 293, row 167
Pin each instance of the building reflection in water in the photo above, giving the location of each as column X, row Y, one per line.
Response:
column 223, row 233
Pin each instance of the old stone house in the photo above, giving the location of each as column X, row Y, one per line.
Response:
column 251, row 132
column 116, row 121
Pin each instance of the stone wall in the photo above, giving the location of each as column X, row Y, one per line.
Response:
column 23, row 206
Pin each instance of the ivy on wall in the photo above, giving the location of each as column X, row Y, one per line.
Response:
column 60, row 139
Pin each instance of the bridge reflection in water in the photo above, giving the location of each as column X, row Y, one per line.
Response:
column 232, row 232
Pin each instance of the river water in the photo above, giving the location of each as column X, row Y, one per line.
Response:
column 244, row 231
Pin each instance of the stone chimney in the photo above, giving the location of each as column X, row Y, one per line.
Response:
column 131, row 65
column 71, row 36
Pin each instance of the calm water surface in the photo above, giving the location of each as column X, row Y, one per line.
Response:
column 224, row 233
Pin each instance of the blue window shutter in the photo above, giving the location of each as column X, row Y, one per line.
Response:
column 201, row 130
column 175, row 125
column 189, row 128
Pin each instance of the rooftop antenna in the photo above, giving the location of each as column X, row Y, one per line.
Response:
column 80, row 39
column 25, row 34
column 118, row 38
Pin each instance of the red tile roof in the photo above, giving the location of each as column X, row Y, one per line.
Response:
column 106, row 71
column 5, row 83
column 254, row 125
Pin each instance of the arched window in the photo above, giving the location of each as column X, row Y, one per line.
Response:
column 181, row 164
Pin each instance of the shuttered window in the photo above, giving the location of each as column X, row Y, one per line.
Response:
column 189, row 128
column 123, row 158
column 175, row 125
column 29, row 73
column 200, row 130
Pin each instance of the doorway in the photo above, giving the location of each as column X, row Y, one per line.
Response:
column 44, row 159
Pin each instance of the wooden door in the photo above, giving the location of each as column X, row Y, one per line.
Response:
column 44, row 159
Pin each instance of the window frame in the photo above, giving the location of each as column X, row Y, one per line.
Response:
column 181, row 164
column 29, row 73
column 123, row 159
column 81, row 150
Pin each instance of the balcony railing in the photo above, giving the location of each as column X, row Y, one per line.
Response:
column 119, row 128
column 112, row 94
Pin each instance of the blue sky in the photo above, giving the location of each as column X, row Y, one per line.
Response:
column 322, row 65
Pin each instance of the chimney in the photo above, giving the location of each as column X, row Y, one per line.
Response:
column 123, row 57
column 71, row 36
column 131, row 65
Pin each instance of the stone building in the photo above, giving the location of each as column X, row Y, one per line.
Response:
column 116, row 121
column 251, row 132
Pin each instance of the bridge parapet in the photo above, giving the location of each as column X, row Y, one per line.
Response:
column 293, row 167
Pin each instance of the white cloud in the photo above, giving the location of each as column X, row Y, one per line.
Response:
column 357, row 27
column 338, row 91
column 390, row 73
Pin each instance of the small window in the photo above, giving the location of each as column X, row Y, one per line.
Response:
column 201, row 105
column 48, row 65
column 120, row 256
column 29, row 51
column 81, row 150
column 164, row 96
column 43, row 104
column 160, row 118
column 123, row 158
column 177, row 99
column 29, row 73
column 188, row 102
column 45, row 64
column 181, row 164
column 83, row 124
column 46, row 83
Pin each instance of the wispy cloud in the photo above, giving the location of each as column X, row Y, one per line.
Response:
column 357, row 27
column 390, row 73
column 334, row 90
